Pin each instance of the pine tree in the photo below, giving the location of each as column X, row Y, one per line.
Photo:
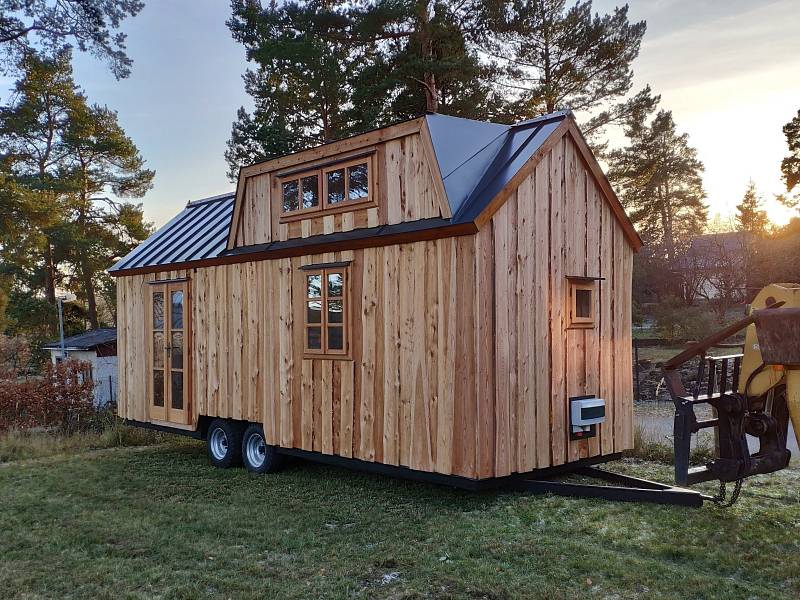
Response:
column 33, row 153
column 790, row 165
column 300, row 86
column 561, row 56
column 50, row 26
column 750, row 217
column 101, row 158
column 326, row 70
column 659, row 177
column 58, row 155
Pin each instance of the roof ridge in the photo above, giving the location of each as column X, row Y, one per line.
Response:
column 216, row 198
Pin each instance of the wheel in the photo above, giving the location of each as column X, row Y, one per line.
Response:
column 257, row 455
column 224, row 442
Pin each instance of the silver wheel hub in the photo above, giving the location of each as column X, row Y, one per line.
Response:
column 218, row 443
column 256, row 450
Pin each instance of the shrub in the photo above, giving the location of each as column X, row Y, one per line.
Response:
column 63, row 399
column 676, row 321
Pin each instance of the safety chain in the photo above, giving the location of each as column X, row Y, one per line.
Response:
column 719, row 499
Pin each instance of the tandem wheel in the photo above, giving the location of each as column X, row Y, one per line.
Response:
column 224, row 443
column 257, row 455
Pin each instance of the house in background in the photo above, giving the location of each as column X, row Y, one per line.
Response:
column 715, row 264
column 98, row 348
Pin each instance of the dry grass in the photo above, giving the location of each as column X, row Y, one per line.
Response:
column 20, row 445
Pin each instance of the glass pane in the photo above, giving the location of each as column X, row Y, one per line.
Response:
column 314, row 312
column 314, row 286
column 158, row 349
column 177, row 390
column 177, row 350
column 176, row 312
column 335, row 311
column 583, row 304
column 310, row 192
column 335, row 284
column 291, row 200
column 335, row 338
column 158, row 388
column 358, row 184
column 335, row 186
column 158, row 310
column 314, row 338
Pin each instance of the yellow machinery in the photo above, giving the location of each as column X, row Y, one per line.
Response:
column 782, row 365
column 751, row 394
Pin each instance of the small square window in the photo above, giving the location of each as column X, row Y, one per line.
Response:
column 581, row 302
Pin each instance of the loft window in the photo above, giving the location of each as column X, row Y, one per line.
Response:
column 326, row 306
column 336, row 186
column 300, row 193
column 582, row 302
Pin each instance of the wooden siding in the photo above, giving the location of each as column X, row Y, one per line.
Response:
column 405, row 188
column 461, row 360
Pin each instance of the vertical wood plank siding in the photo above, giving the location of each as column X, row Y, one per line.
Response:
column 462, row 362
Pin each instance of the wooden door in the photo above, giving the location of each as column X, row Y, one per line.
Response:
column 170, row 351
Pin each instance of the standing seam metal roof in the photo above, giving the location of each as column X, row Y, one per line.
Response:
column 199, row 231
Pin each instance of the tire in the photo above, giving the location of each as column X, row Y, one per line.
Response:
column 257, row 455
column 224, row 444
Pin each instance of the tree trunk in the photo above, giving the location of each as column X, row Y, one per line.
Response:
column 49, row 274
column 426, row 45
column 91, row 301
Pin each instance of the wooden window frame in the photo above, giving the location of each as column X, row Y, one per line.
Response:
column 301, row 212
column 576, row 322
column 324, row 351
column 324, row 207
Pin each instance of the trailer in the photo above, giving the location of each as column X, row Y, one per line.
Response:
column 441, row 298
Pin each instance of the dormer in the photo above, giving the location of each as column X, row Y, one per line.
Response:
column 383, row 177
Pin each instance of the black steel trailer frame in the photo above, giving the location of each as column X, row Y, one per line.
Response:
column 624, row 488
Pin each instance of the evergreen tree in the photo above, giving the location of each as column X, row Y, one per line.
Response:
column 58, row 155
column 49, row 26
column 423, row 58
column 300, row 86
column 790, row 165
column 33, row 154
column 561, row 56
column 659, row 177
column 328, row 69
column 750, row 217
column 101, row 158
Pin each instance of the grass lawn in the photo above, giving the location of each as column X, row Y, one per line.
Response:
column 160, row 522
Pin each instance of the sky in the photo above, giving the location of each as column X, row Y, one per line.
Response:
column 728, row 69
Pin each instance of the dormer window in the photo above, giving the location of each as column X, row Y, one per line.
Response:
column 329, row 188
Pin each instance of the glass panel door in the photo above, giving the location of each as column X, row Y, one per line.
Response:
column 169, row 358
column 176, row 389
column 158, row 354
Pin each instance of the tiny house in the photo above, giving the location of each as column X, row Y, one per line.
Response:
column 440, row 296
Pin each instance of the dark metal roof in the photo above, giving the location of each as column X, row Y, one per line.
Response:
column 199, row 231
column 87, row 340
column 478, row 159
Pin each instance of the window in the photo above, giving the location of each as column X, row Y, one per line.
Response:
column 581, row 302
column 326, row 321
column 338, row 186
